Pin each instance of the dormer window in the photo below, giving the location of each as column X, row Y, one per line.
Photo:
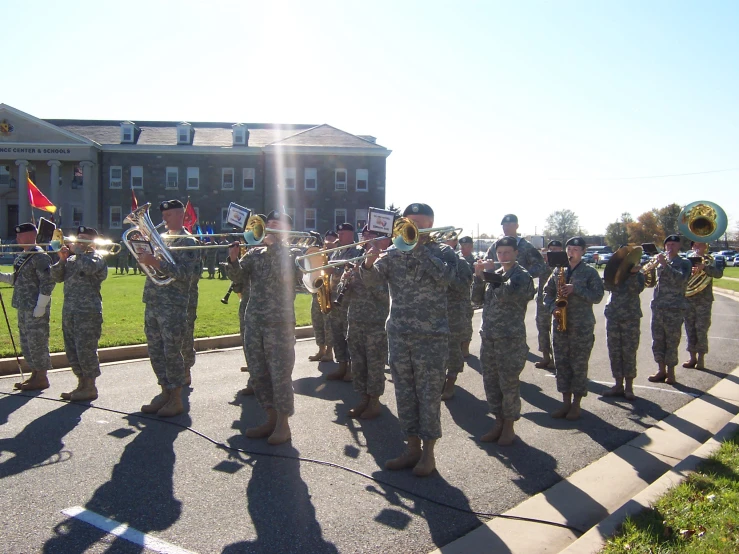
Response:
column 184, row 133
column 240, row 135
column 128, row 132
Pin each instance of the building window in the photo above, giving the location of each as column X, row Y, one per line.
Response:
column 310, row 219
column 127, row 133
column 290, row 178
column 4, row 175
column 340, row 179
column 172, row 175
column 137, row 177
column 361, row 219
column 224, row 219
column 183, row 133
column 362, row 180
column 116, row 177
column 248, row 178
column 77, row 177
column 193, row 178
column 339, row 217
column 76, row 216
column 227, row 178
column 239, row 134
column 115, row 217
column 311, row 178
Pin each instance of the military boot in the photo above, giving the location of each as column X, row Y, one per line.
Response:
column 18, row 386
column 37, row 381
column 68, row 395
column 701, row 364
column 87, row 390
column 157, row 402
column 565, row 409
column 281, row 434
column 546, row 361
column 244, row 368
column 427, row 464
column 507, row 436
column 692, row 362
column 629, row 390
column 448, row 391
column 359, row 409
column 318, row 355
column 329, row 355
column 466, row 349
column 247, row 391
column 373, row 409
column 494, row 433
column 409, row 458
column 174, row 405
column 265, row 429
column 339, row 373
column 660, row 376
column 615, row 390
column 670, row 379
column 574, row 412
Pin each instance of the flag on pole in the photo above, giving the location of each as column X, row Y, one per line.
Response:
column 191, row 218
column 134, row 202
column 37, row 199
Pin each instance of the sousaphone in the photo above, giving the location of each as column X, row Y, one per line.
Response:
column 621, row 264
column 701, row 221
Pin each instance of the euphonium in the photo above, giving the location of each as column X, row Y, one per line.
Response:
column 699, row 281
column 560, row 303
column 146, row 230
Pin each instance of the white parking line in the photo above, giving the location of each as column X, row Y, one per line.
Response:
column 673, row 391
column 124, row 531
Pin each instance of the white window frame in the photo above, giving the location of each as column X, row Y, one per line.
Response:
column 187, row 129
column 120, row 217
column 360, row 214
column 176, row 171
column 224, row 219
column 137, row 172
column 314, row 217
column 336, row 217
column 311, row 173
column 239, row 135
column 193, row 173
column 224, row 172
column 127, row 128
column 339, row 185
column 77, row 222
column 290, row 174
column 362, row 175
column 248, row 173
column 115, row 182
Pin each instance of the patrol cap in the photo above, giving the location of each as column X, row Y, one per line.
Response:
column 171, row 205
column 507, row 241
column 418, row 209
column 275, row 215
column 331, row 233
column 554, row 243
column 82, row 230
column 509, row 218
column 25, row 228
column 345, row 227
column 576, row 241
column 465, row 240
column 671, row 238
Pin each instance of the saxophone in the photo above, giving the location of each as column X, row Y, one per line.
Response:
column 560, row 303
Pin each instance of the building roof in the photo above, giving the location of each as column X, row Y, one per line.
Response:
column 326, row 136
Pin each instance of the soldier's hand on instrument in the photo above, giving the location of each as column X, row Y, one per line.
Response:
column 373, row 252
column 568, row 289
column 661, row 259
column 698, row 268
column 150, row 260
column 63, row 253
column 233, row 251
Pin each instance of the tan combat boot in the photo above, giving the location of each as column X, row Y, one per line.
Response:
column 329, row 355
column 574, row 413
column 670, row 379
column 565, row 409
column 87, row 390
column 507, row 436
column 339, row 373
column 318, row 355
column 68, row 395
column 373, row 409
column 244, row 368
column 701, row 364
column 157, row 402
column 174, row 405
column 615, row 390
column 359, row 409
column 660, row 376
column 494, row 433
column 281, row 434
column 629, row 390
column 466, row 349
column 427, row 464
column 265, row 429
column 407, row 459
column 692, row 362
column 546, row 361
column 448, row 391
column 37, row 381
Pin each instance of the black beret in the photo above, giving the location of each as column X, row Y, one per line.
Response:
column 25, row 228
column 82, row 230
column 330, row 233
column 345, row 227
column 554, row 243
column 275, row 215
column 465, row 240
column 671, row 238
column 509, row 218
column 576, row 241
column 507, row 241
column 418, row 209
column 170, row 205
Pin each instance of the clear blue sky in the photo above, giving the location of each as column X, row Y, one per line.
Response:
column 489, row 107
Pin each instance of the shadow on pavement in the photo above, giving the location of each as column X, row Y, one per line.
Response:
column 12, row 402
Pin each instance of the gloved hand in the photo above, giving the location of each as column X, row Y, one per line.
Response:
column 6, row 278
column 41, row 304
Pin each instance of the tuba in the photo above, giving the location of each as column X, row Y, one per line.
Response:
column 699, row 281
column 144, row 230
column 701, row 221
column 560, row 303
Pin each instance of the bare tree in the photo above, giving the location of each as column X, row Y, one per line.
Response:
column 562, row 225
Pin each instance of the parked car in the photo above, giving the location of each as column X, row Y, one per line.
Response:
column 603, row 259
column 720, row 261
column 588, row 258
column 732, row 260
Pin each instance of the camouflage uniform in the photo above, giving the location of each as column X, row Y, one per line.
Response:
column 623, row 318
column 269, row 322
column 459, row 311
column 366, row 335
column 470, row 259
column 504, row 349
column 418, row 331
column 210, row 261
column 188, row 344
column 668, row 309
column 166, row 321
column 221, row 255
column 321, row 324
column 528, row 257
column 30, row 279
column 122, row 259
column 698, row 312
column 338, row 314
column 543, row 315
column 572, row 347
column 82, row 311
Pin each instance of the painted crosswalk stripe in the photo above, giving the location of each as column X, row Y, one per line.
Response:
column 124, row 531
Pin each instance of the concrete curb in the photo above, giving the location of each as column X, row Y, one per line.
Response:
column 9, row 366
column 587, row 497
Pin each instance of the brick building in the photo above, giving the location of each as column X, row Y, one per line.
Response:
column 321, row 175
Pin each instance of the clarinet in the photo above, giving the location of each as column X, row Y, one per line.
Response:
column 224, row 300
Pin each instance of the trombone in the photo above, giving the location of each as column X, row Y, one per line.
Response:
column 103, row 247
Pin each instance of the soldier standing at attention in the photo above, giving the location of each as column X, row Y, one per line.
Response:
column 322, row 322
column 543, row 315
column 623, row 320
column 166, row 322
column 269, row 325
column 366, row 335
column 458, row 314
column 465, row 252
column 210, row 259
column 121, row 262
column 572, row 347
column 188, row 345
column 418, row 335
column 82, row 270
column 504, row 349
column 32, row 286
column 698, row 313
column 668, row 309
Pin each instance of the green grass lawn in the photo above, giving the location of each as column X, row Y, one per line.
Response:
column 732, row 272
column 123, row 312
column 699, row 516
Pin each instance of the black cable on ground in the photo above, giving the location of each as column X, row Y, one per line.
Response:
column 225, row 446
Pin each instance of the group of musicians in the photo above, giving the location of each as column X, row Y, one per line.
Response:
column 410, row 309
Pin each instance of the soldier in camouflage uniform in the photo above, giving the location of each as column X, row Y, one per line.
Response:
column 366, row 335
column 465, row 253
column 210, row 259
column 458, row 314
column 269, row 325
column 698, row 313
column 166, row 321
column 668, row 309
column 503, row 332
column 322, row 322
column 121, row 261
column 188, row 344
column 82, row 270
column 338, row 314
column 623, row 320
column 32, row 286
column 572, row 347
column 418, row 335
column 543, row 315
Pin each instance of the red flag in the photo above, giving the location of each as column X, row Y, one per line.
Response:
column 191, row 218
column 134, row 202
column 37, row 199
